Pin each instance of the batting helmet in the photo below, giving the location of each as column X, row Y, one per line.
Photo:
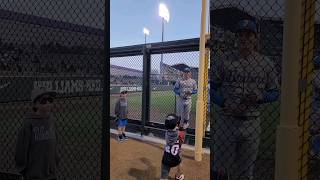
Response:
column 171, row 121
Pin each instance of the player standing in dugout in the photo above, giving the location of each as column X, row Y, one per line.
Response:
column 241, row 81
column 184, row 89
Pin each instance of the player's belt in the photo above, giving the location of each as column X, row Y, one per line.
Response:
column 245, row 118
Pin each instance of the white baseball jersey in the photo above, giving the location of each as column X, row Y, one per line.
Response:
column 239, row 77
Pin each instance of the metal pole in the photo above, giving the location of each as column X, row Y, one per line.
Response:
column 161, row 61
column 145, row 39
column 146, row 88
column 200, row 103
column 105, row 127
column 288, row 132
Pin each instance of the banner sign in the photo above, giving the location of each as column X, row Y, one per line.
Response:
column 19, row 88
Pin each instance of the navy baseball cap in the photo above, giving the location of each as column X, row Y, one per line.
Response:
column 248, row 25
column 186, row 70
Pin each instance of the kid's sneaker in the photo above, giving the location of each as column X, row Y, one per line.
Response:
column 181, row 177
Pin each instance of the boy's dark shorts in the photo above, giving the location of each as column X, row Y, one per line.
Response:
column 122, row 122
column 165, row 170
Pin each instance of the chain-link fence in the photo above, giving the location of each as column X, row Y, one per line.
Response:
column 246, row 47
column 59, row 46
column 157, row 68
column 308, row 96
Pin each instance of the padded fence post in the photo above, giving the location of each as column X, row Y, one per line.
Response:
column 146, row 88
column 287, row 144
column 200, row 103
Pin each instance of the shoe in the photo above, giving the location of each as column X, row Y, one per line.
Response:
column 120, row 138
column 124, row 136
column 181, row 177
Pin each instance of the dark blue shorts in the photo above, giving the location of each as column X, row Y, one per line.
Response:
column 122, row 122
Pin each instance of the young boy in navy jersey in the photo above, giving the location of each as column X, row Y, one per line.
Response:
column 172, row 152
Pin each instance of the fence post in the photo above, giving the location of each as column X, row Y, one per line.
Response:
column 201, row 83
column 146, row 88
column 288, row 132
column 105, row 164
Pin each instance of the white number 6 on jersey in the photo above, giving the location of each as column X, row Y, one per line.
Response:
column 175, row 149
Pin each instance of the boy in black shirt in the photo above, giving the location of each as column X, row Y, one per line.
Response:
column 172, row 153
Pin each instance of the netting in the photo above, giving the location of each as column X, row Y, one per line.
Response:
column 58, row 46
column 166, row 61
column 245, row 73
column 308, row 118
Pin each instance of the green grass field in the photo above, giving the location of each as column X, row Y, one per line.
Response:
column 161, row 104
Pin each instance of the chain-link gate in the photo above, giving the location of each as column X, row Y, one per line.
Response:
column 246, row 47
column 57, row 46
column 162, row 66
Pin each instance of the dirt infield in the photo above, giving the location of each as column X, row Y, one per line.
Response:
column 137, row 160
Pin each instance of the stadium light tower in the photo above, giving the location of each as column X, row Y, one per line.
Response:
column 146, row 33
column 165, row 16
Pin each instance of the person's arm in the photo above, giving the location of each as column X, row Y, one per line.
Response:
column 22, row 147
column 127, row 110
column 176, row 88
column 216, row 82
column 57, row 155
column 117, row 108
column 272, row 90
column 195, row 88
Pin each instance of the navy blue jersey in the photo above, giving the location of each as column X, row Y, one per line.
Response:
column 171, row 156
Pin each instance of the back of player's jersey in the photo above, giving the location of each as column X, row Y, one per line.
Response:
column 171, row 156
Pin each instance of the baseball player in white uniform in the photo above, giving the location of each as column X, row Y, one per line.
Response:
column 184, row 89
column 241, row 80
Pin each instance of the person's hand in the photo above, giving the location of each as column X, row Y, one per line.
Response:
column 252, row 98
column 234, row 106
column 186, row 94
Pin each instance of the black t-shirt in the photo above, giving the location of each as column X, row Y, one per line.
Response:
column 171, row 156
